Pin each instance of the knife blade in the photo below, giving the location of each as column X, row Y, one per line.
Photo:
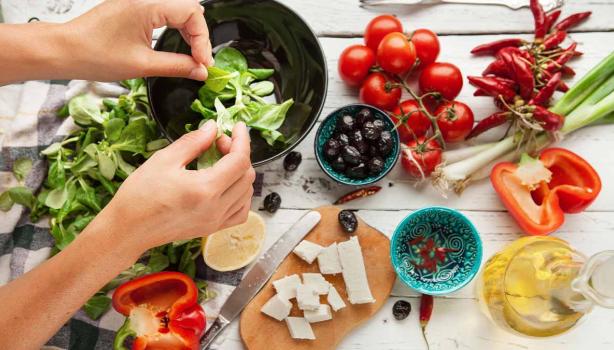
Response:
column 259, row 274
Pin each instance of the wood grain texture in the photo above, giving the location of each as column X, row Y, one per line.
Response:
column 260, row 332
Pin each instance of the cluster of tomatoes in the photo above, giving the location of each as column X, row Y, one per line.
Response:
column 382, row 69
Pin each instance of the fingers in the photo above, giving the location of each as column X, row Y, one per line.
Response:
column 233, row 165
column 223, row 144
column 191, row 145
column 240, row 139
column 240, row 187
column 239, row 217
column 168, row 64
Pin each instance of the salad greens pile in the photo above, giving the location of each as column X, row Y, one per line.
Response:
column 85, row 171
column 234, row 92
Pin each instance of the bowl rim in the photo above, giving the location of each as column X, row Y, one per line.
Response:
column 362, row 183
column 411, row 282
column 148, row 81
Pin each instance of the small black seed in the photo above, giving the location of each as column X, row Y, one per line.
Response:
column 401, row 309
column 272, row 202
column 348, row 221
column 292, row 161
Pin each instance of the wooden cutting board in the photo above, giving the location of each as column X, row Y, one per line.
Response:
column 259, row 331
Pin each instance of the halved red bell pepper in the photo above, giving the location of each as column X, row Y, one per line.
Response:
column 162, row 312
column 538, row 192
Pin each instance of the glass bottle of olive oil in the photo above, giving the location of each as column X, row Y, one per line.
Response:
column 541, row 286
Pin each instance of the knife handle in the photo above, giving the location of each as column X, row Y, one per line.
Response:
column 215, row 329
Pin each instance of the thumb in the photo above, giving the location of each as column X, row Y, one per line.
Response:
column 191, row 145
column 168, row 64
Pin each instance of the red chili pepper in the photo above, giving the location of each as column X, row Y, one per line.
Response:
column 480, row 92
column 554, row 40
column 549, row 121
column 162, row 312
column 572, row 21
column 568, row 71
column 497, row 68
column 543, row 96
column 573, row 186
column 488, row 123
column 551, row 19
column 505, row 82
column 492, row 87
column 562, row 87
column 426, row 311
column 492, row 47
column 521, row 73
column 539, row 17
column 564, row 57
column 360, row 193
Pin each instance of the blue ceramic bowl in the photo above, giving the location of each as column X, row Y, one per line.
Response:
column 326, row 131
column 446, row 228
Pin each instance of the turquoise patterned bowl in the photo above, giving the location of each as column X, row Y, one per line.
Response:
column 436, row 250
column 326, row 131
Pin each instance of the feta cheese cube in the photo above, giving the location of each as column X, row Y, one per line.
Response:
column 286, row 287
column 299, row 328
column 317, row 282
column 308, row 251
column 334, row 299
column 328, row 260
column 321, row 314
column 307, row 297
column 277, row 307
column 354, row 273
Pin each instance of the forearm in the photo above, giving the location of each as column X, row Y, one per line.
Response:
column 37, row 304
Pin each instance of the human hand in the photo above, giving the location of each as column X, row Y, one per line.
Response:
column 113, row 40
column 162, row 201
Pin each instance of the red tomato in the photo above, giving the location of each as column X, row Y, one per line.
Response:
column 396, row 54
column 427, row 46
column 379, row 27
column 354, row 64
column 415, row 124
column 455, row 120
column 376, row 91
column 441, row 77
column 420, row 158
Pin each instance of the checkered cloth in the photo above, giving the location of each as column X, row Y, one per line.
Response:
column 28, row 124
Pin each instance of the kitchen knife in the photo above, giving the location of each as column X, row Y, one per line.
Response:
column 259, row 274
column 513, row 4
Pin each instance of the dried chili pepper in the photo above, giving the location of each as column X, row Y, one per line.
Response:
column 497, row 68
column 539, row 17
column 492, row 87
column 562, row 87
column 566, row 70
column 360, row 193
column 549, row 121
column 522, row 73
column 505, row 82
column 488, row 123
column 543, row 96
column 564, row 57
column 480, row 92
column 551, row 19
column 493, row 47
column 426, row 311
column 553, row 40
column 572, row 20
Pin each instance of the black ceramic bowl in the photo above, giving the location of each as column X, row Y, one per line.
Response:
column 270, row 35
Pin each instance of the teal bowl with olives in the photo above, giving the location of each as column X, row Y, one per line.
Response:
column 357, row 145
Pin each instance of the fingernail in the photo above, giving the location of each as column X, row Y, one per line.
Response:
column 198, row 73
column 209, row 124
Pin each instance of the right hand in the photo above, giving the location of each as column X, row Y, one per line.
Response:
column 163, row 202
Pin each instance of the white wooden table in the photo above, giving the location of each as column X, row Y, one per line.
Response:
column 457, row 322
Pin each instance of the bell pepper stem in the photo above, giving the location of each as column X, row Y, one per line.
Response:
column 123, row 332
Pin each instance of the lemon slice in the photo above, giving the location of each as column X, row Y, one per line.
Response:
column 234, row 247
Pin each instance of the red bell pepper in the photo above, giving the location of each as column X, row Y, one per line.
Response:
column 162, row 312
column 539, row 192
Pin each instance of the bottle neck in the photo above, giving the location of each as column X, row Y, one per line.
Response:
column 596, row 280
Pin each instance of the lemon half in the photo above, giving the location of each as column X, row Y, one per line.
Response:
column 234, row 247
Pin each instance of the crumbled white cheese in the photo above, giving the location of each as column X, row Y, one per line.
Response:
column 354, row 273
column 277, row 307
column 321, row 314
column 328, row 260
column 317, row 282
column 286, row 287
column 307, row 297
column 308, row 251
column 299, row 328
column 334, row 299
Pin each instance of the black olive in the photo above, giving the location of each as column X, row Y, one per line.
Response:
column 338, row 163
column 292, row 161
column 348, row 221
column 350, row 155
column 362, row 147
column 379, row 124
column 346, row 123
column 401, row 309
column 373, row 151
column 384, row 144
column 272, row 202
column 356, row 136
column 370, row 132
column 332, row 148
column 363, row 116
column 344, row 139
column 357, row 172
column 375, row 165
